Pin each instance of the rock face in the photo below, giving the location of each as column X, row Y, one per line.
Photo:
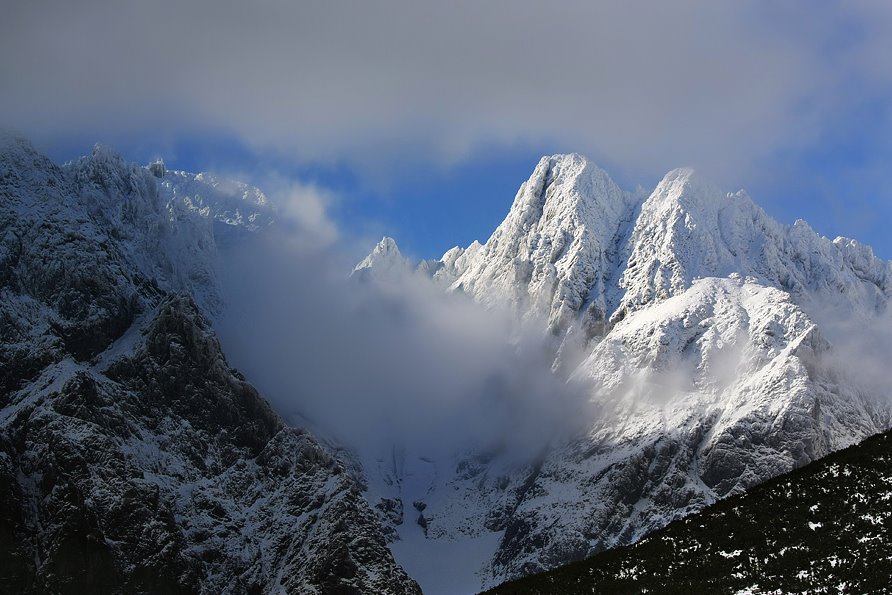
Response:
column 697, row 398
column 704, row 333
column 580, row 252
column 132, row 457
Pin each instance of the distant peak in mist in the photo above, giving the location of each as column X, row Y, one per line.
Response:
column 384, row 257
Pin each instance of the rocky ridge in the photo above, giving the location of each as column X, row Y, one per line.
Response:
column 133, row 457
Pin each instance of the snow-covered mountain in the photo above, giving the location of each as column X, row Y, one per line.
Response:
column 555, row 251
column 716, row 348
column 133, row 457
column 583, row 253
column 384, row 259
column 707, row 335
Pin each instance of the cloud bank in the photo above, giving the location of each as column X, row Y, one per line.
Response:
column 372, row 365
column 650, row 85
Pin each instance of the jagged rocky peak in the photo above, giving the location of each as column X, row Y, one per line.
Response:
column 384, row 259
column 455, row 262
column 170, row 226
column 563, row 193
column 580, row 254
column 451, row 256
column 564, row 183
column 25, row 172
column 696, row 324
column 157, row 168
column 18, row 150
column 689, row 229
column 685, row 187
column 553, row 253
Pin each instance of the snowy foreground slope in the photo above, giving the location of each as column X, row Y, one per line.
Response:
column 718, row 348
column 132, row 457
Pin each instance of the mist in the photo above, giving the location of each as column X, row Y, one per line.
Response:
column 368, row 364
column 860, row 345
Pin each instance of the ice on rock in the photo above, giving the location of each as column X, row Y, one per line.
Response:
column 553, row 252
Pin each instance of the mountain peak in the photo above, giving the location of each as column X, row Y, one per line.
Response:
column 567, row 179
column 388, row 243
column 559, row 234
column 682, row 174
column 18, row 154
column 386, row 249
column 568, row 160
column 686, row 188
column 562, row 187
column 384, row 257
column 10, row 141
column 101, row 151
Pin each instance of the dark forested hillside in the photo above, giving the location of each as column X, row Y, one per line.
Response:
column 824, row 528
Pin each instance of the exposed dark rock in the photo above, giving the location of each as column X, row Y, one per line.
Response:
column 133, row 459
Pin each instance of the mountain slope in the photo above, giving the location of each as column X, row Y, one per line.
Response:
column 133, row 458
column 820, row 529
column 163, row 470
column 718, row 348
column 692, row 401
column 697, row 398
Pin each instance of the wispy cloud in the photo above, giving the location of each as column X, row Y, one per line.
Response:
column 304, row 209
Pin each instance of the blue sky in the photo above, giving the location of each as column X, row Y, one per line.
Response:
column 421, row 121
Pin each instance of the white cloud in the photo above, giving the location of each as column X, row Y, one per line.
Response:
column 305, row 209
column 649, row 85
